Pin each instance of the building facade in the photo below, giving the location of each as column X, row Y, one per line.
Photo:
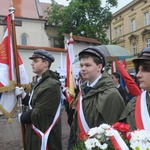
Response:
column 130, row 27
column 33, row 33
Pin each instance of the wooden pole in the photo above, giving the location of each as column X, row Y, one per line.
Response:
column 15, row 52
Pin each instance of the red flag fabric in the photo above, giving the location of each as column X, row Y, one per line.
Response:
column 8, row 100
column 138, row 116
column 5, row 74
column 70, row 84
column 131, row 85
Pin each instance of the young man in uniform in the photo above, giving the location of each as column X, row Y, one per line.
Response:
column 43, row 116
column 98, row 101
column 137, row 111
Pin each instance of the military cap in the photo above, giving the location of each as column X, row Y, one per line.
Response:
column 41, row 53
column 144, row 55
column 95, row 51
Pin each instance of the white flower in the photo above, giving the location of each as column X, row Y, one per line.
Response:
column 109, row 132
column 140, row 139
column 97, row 136
column 91, row 143
column 102, row 128
column 93, row 131
column 104, row 146
column 105, row 126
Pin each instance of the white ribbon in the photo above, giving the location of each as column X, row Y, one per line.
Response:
column 83, row 121
column 46, row 135
column 118, row 140
column 29, row 103
column 144, row 112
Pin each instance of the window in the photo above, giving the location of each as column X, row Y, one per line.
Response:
column 23, row 39
column 134, row 45
column 133, row 24
column 146, row 16
column 147, row 42
column 116, row 32
column 120, row 30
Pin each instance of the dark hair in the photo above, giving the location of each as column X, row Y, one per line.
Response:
column 49, row 64
column 95, row 58
column 144, row 63
column 117, row 75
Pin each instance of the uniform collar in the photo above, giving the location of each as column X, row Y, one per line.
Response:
column 38, row 79
column 92, row 84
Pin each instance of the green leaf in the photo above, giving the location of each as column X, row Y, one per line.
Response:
column 86, row 18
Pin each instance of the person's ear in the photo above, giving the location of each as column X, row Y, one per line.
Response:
column 100, row 67
column 46, row 63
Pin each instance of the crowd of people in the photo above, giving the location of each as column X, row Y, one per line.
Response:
column 99, row 99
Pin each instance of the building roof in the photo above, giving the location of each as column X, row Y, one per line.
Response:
column 22, row 47
column 44, row 6
column 126, row 7
column 33, row 9
column 83, row 39
column 30, row 9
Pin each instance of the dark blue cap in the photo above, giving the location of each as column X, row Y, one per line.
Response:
column 41, row 53
column 144, row 55
column 95, row 51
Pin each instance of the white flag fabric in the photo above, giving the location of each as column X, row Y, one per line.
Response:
column 8, row 100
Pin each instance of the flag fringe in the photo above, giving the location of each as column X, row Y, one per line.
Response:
column 12, row 86
column 7, row 114
column 8, row 88
column 71, row 102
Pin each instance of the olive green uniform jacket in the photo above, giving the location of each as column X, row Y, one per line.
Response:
column 45, row 101
column 128, row 115
column 102, row 104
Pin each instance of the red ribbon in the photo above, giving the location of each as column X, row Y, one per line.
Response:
column 138, row 117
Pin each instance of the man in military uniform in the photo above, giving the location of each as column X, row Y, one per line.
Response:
column 43, row 116
column 99, row 100
column 137, row 111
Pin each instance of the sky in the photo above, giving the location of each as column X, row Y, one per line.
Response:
column 121, row 3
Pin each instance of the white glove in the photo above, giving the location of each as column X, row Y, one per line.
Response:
column 64, row 89
column 19, row 116
column 20, row 90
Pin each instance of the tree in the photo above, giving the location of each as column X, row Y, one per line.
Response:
column 86, row 18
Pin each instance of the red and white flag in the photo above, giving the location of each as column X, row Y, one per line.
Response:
column 70, row 82
column 131, row 85
column 8, row 100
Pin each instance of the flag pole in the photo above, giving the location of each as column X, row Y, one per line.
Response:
column 15, row 52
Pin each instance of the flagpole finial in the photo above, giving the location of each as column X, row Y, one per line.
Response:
column 11, row 9
column 71, row 39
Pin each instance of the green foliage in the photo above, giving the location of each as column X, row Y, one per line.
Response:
column 83, row 18
column 80, row 146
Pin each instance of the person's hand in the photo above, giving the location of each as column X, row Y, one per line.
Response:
column 19, row 116
column 20, row 90
column 64, row 89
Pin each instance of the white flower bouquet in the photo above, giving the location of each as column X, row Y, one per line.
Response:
column 140, row 140
column 115, row 137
